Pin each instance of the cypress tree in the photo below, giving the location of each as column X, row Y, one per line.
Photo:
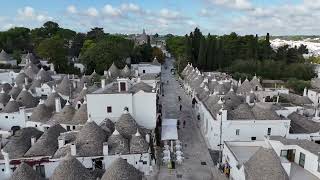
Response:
column 202, row 57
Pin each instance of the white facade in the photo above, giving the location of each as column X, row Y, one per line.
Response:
column 236, row 130
column 9, row 120
column 144, row 68
column 313, row 95
column 141, row 105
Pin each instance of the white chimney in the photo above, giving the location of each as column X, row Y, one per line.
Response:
column 248, row 99
column 58, row 104
column 7, row 170
column 74, row 84
column 33, row 140
column 105, row 149
column 26, row 81
column 61, row 142
column 103, row 83
column 148, row 138
column 73, row 149
column 305, row 91
column 278, row 99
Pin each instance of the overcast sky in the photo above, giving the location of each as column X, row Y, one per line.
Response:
column 279, row 17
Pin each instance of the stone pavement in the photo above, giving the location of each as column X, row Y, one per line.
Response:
column 197, row 164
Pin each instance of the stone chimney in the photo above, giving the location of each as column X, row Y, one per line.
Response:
column 103, row 83
column 148, row 138
column 61, row 141
column 7, row 169
column 305, row 91
column 105, row 149
column 33, row 140
column 58, row 104
column 73, row 149
column 26, row 81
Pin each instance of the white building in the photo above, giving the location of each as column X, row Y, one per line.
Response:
column 110, row 101
column 146, row 68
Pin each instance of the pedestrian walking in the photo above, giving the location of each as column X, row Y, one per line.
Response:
column 180, row 107
column 178, row 124
column 179, row 98
column 184, row 123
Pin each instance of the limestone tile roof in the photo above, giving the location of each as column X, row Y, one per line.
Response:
column 41, row 113
column 64, row 116
column 90, row 140
column 245, row 87
column 140, row 86
column 26, row 99
column 30, row 57
column 62, row 151
column 125, row 72
column 34, row 67
column 256, row 82
column 203, row 94
column 44, row 75
column 50, row 102
column 6, row 87
column 303, row 143
column 31, row 73
column 302, row 124
column 265, row 164
column 71, row 169
column 120, row 169
column 296, row 99
column 118, row 144
column 25, row 172
column 15, row 91
column 4, row 56
column 65, row 86
column 243, row 111
column 212, row 84
column 4, row 97
column 231, row 95
column 261, row 113
column 138, row 144
column 20, row 142
column 36, row 83
column 155, row 62
column 221, row 88
column 113, row 70
column 126, row 125
column 108, row 123
column 47, row 144
column 20, row 79
column 81, row 115
column 12, row 106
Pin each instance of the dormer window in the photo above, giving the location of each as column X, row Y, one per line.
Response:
column 123, row 86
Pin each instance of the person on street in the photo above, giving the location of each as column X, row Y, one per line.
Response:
column 178, row 124
column 179, row 98
column 184, row 123
column 180, row 107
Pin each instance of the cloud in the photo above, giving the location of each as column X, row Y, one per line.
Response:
column 72, row 9
column 169, row 14
column 205, row 13
column 130, row 7
column 28, row 13
column 109, row 10
column 92, row 12
column 234, row 4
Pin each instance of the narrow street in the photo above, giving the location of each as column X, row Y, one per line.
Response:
column 197, row 164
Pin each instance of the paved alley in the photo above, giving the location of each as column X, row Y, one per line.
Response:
column 197, row 164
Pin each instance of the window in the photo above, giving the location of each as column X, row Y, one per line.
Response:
column 143, row 71
column 6, row 117
column 123, row 86
column 73, row 127
column 237, row 132
column 284, row 153
column 253, row 138
column 68, row 128
column 126, row 109
column 269, row 131
column 109, row 109
column 79, row 106
column 36, row 125
column 40, row 170
column 302, row 159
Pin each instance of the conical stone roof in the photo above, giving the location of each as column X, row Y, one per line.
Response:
column 138, row 144
column 118, row 144
column 51, row 100
column 125, row 72
column 44, row 76
column 20, row 79
column 108, row 123
column 120, row 169
column 65, row 86
column 26, row 99
column 4, row 56
column 15, row 91
column 4, row 97
column 71, row 169
column 41, row 113
column 90, row 140
column 64, row 116
column 6, row 87
column 81, row 115
column 12, row 106
column 25, row 172
column 30, row 72
column 126, row 125
column 113, row 70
